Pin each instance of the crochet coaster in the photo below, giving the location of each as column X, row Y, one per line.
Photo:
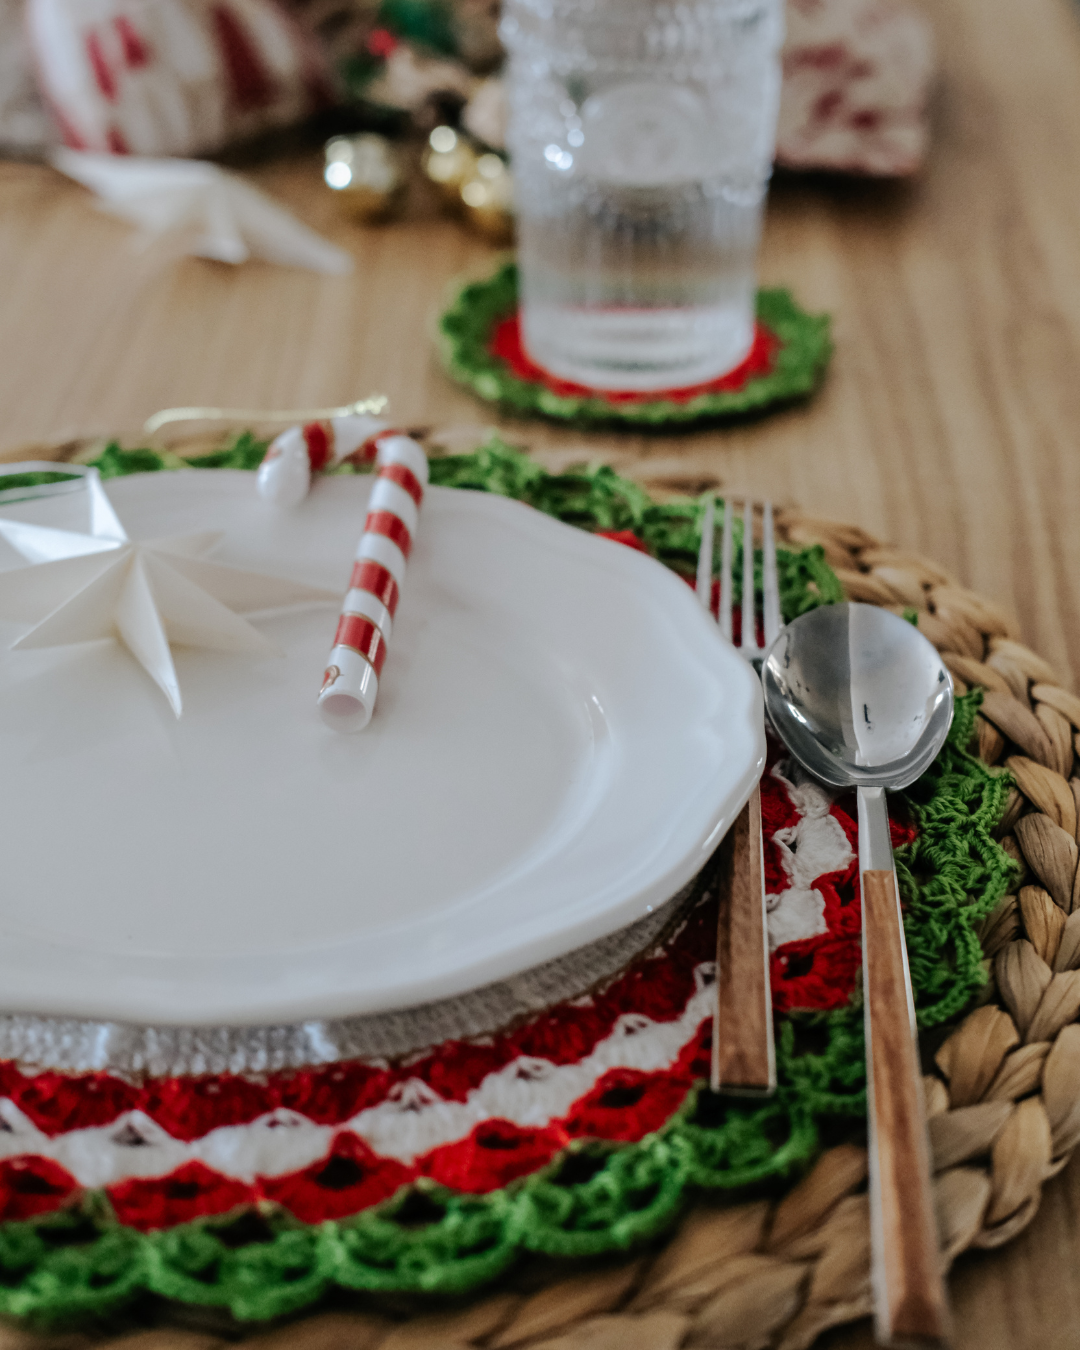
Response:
column 482, row 348
column 577, row 1132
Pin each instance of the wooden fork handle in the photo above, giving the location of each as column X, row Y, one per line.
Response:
column 909, row 1292
column 743, row 1055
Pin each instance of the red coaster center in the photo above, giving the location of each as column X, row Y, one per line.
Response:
column 506, row 344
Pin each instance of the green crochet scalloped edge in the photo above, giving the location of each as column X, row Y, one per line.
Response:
column 463, row 335
column 596, row 1198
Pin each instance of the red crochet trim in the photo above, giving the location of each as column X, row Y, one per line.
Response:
column 189, row 1107
column 193, row 1191
column 627, row 537
column 624, row 1105
column 507, row 345
column 31, row 1185
column 349, row 1179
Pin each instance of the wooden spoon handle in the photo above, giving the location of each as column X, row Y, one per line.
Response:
column 909, row 1292
column 743, row 1055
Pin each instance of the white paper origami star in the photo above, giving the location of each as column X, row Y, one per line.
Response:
column 149, row 594
column 214, row 213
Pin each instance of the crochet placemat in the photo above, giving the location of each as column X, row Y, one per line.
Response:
column 617, row 1169
column 481, row 346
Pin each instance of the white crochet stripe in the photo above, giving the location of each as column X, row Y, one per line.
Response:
column 813, row 848
column 410, row 1122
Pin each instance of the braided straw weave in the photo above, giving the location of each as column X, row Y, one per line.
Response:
column 1003, row 1102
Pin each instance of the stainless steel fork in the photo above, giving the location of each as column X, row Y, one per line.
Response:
column 743, row 1059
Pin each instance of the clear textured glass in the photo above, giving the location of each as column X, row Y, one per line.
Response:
column 642, row 138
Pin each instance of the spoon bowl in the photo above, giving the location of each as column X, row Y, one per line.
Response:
column 860, row 697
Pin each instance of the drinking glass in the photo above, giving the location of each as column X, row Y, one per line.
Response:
column 641, row 134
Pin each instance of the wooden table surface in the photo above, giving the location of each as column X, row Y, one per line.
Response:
column 949, row 423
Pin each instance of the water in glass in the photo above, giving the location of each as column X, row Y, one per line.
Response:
column 642, row 137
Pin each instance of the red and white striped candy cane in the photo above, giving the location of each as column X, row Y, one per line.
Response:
column 351, row 681
column 284, row 476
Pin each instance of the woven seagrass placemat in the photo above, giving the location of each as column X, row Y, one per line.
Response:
column 1003, row 1088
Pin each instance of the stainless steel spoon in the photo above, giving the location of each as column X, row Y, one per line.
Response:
column 863, row 701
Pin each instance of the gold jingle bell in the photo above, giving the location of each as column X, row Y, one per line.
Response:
column 365, row 175
column 448, row 161
column 487, row 198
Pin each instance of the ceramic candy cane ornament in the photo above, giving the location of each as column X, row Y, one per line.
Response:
column 351, row 682
column 284, row 476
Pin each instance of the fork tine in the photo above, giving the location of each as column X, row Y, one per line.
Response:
column 771, row 580
column 705, row 556
column 725, row 572
column 749, row 640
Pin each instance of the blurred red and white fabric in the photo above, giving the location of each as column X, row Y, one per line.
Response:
column 172, row 77
column 857, row 76
column 187, row 77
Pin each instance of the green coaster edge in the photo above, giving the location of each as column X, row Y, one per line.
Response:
column 464, row 328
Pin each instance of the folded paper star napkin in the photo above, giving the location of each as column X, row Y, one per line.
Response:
column 212, row 212
column 148, row 594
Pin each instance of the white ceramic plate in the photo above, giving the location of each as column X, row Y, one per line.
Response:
column 561, row 739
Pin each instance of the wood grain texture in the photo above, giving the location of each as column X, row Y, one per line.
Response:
column 743, row 1060
column 949, row 422
column 909, row 1291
